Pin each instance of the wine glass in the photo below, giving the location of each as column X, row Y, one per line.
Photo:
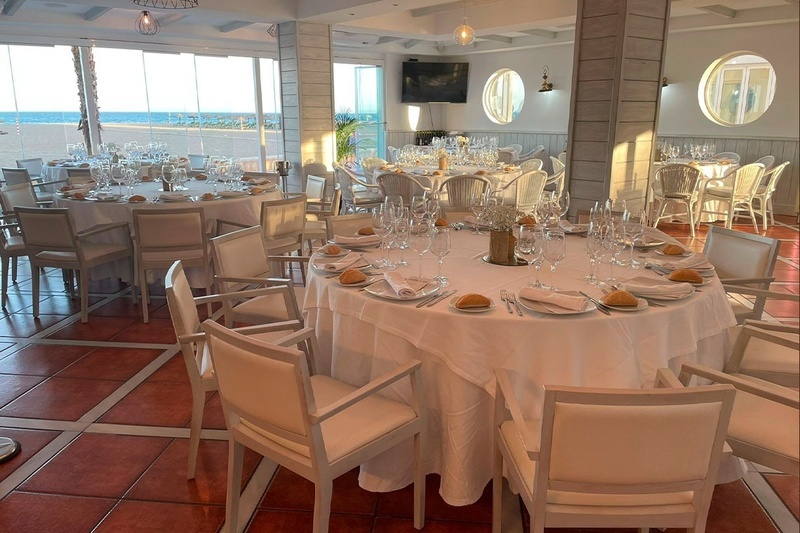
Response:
column 167, row 172
column 382, row 225
column 401, row 233
column 432, row 203
column 440, row 247
column 528, row 247
column 538, row 259
column 394, row 202
column 634, row 229
column 118, row 175
column 179, row 178
column 543, row 210
column 417, row 207
column 554, row 251
column 594, row 247
column 419, row 238
column 559, row 204
column 478, row 205
column 96, row 171
column 613, row 244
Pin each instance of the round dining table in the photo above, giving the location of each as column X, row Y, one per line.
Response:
column 241, row 208
column 363, row 336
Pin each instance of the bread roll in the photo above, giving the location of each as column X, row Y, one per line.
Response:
column 367, row 230
column 527, row 220
column 207, row 196
column 382, row 167
column 673, row 249
column 437, row 173
column 201, row 177
column 136, row 198
column 257, row 190
column 351, row 276
column 66, row 188
column 480, row 173
column 440, row 222
column 473, row 301
column 686, row 274
column 331, row 249
column 78, row 196
column 620, row 298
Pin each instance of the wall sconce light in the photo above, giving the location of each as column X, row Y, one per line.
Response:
column 664, row 82
column 147, row 24
column 546, row 86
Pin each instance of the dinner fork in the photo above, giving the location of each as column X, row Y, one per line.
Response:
column 504, row 297
column 513, row 299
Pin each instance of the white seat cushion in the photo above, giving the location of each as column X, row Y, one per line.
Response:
column 765, row 424
column 265, row 309
column 721, row 192
column 14, row 243
column 771, row 357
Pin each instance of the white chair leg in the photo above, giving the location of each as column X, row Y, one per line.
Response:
column 14, row 268
column 35, row 273
column 145, row 295
column 691, row 218
column 419, row 483
column 235, row 462
column 323, row 490
column 84, row 289
column 133, row 280
column 198, row 405
column 497, row 491
column 753, row 216
column 6, row 261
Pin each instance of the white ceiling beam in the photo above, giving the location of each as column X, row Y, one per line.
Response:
column 233, row 25
column 95, row 13
column 716, row 9
column 498, row 38
column 387, row 39
column 11, row 6
column 541, row 33
column 166, row 20
column 794, row 2
column 450, row 6
column 411, row 43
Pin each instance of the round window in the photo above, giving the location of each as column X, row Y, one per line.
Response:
column 737, row 88
column 503, row 96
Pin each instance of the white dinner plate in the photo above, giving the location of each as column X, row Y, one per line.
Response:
column 630, row 308
column 342, row 253
column 318, row 262
column 491, row 306
column 576, row 229
column 359, row 246
column 233, row 194
column 174, row 197
column 104, row 198
column 552, row 309
column 382, row 289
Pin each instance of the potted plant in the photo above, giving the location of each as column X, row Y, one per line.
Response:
column 346, row 144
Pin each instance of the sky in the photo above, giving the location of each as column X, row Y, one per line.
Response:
column 44, row 79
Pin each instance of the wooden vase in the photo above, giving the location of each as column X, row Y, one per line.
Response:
column 443, row 163
column 499, row 243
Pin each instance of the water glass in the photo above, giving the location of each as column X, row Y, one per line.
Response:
column 478, row 206
column 440, row 247
column 419, row 238
column 417, row 207
column 529, row 248
column 594, row 248
column 432, row 204
column 554, row 251
column 401, row 233
column 382, row 225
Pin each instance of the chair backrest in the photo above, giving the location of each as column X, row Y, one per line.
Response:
column 282, row 224
column 268, row 387
column 345, row 184
column 402, row 184
column 347, row 225
column 515, row 149
column 736, row 254
column 557, row 164
column 773, row 176
column 169, row 230
column 604, row 441
column 21, row 195
column 47, row 230
column 678, row 179
column 531, row 164
column 76, row 176
column 180, row 301
column 392, row 151
column 505, row 156
column 528, row 189
column 746, row 180
column 768, row 161
column 536, row 153
column 733, row 157
column 315, row 187
column 197, row 161
column 317, row 169
column 462, row 189
column 15, row 176
column 32, row 165
column 336, row 201
column 239, row 254
column 370, row 164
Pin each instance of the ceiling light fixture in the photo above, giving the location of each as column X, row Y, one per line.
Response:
column 546, row 86
column 167, row 4
column 147, row 24
column 464, row 34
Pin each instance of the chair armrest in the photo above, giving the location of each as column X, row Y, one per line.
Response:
column 296, row 338
column 745, row 281
column 760, row 324
column 751, row 331
column 504, row 384
column 246, row 330
column 774, row 393
column 271, row 282
column 289, row 258
column 238, row 295
column 665, row 379
column 102, row 228
column 739, row 289
column 239, row 225
column 320, row 415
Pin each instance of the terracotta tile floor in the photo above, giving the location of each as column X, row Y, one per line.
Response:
column 101, row 410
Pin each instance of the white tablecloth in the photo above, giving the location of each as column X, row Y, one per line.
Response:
column 363, row 336
column 85, row 213
column 424, row 174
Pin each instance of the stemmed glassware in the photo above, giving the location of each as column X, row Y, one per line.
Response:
column 382, row 225
column 401, row 233
column 559, row 205
column 419, row 238
column 594, row 248
column 529, row 248
column 179, row 179
column 394, row 202
column 118, row 174
column 478, row 206
column 440, row 247
column 634, row 230
column 417, row 207
column 543, row 210
column 554, row 251
column 613, row 243
column 167, row 171
column 432, row 203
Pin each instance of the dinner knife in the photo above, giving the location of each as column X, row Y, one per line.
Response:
column 441, row 297
column 600, row 306
column 428, row 299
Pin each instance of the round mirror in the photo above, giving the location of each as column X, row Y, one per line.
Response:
column 737, row 88
column 503, row 96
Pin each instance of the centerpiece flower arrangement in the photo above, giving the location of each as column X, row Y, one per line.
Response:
column 441, row 155
column 462, row 141
column 501, row 219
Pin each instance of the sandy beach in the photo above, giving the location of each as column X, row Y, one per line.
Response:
column 49, row 141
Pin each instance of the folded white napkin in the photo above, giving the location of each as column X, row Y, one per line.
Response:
column 566, row 225
column 567, row 301
column 363, row 240
column 399, row 285
column 173, row 197
column 257, row 181
column 344, row 263
column 696, row 261
column 671, row 290
column 470, row 219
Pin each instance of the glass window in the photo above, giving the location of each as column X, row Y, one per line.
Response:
column 358, row 91
column 737, row 89
column 271, row 105
column 503, row 96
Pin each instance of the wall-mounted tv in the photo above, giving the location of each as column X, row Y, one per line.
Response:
column 435, row 82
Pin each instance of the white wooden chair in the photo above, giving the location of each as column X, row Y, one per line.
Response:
column 11, row 247
column 527, row 189
column 164, row 236
column 461, row 190
column 347, row 225
column 764, row 424
column 21, row 194
column 51, row 241
column 357, row 195
column 764, row 192
column 313, row 425
column 316, row 227
column 191, row 339
column 611, row 458
column 742, row 259
column 282, row 229
column 241, row 262
column 737, row 194
column 33, row 165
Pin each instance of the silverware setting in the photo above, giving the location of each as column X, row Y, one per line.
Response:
column 441, row 297
column 513, row 299
column 504, row 297
column 600, row 305
column 428, row 299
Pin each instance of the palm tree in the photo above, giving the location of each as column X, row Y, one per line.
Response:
column 346, row 143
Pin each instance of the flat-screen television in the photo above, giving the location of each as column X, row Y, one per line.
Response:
column 435, row 82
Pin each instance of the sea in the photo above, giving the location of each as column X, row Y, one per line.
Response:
column 220, row 119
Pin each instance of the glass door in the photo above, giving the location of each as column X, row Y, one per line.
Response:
column 359, row 96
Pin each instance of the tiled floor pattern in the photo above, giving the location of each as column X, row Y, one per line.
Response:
column 102, row 411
